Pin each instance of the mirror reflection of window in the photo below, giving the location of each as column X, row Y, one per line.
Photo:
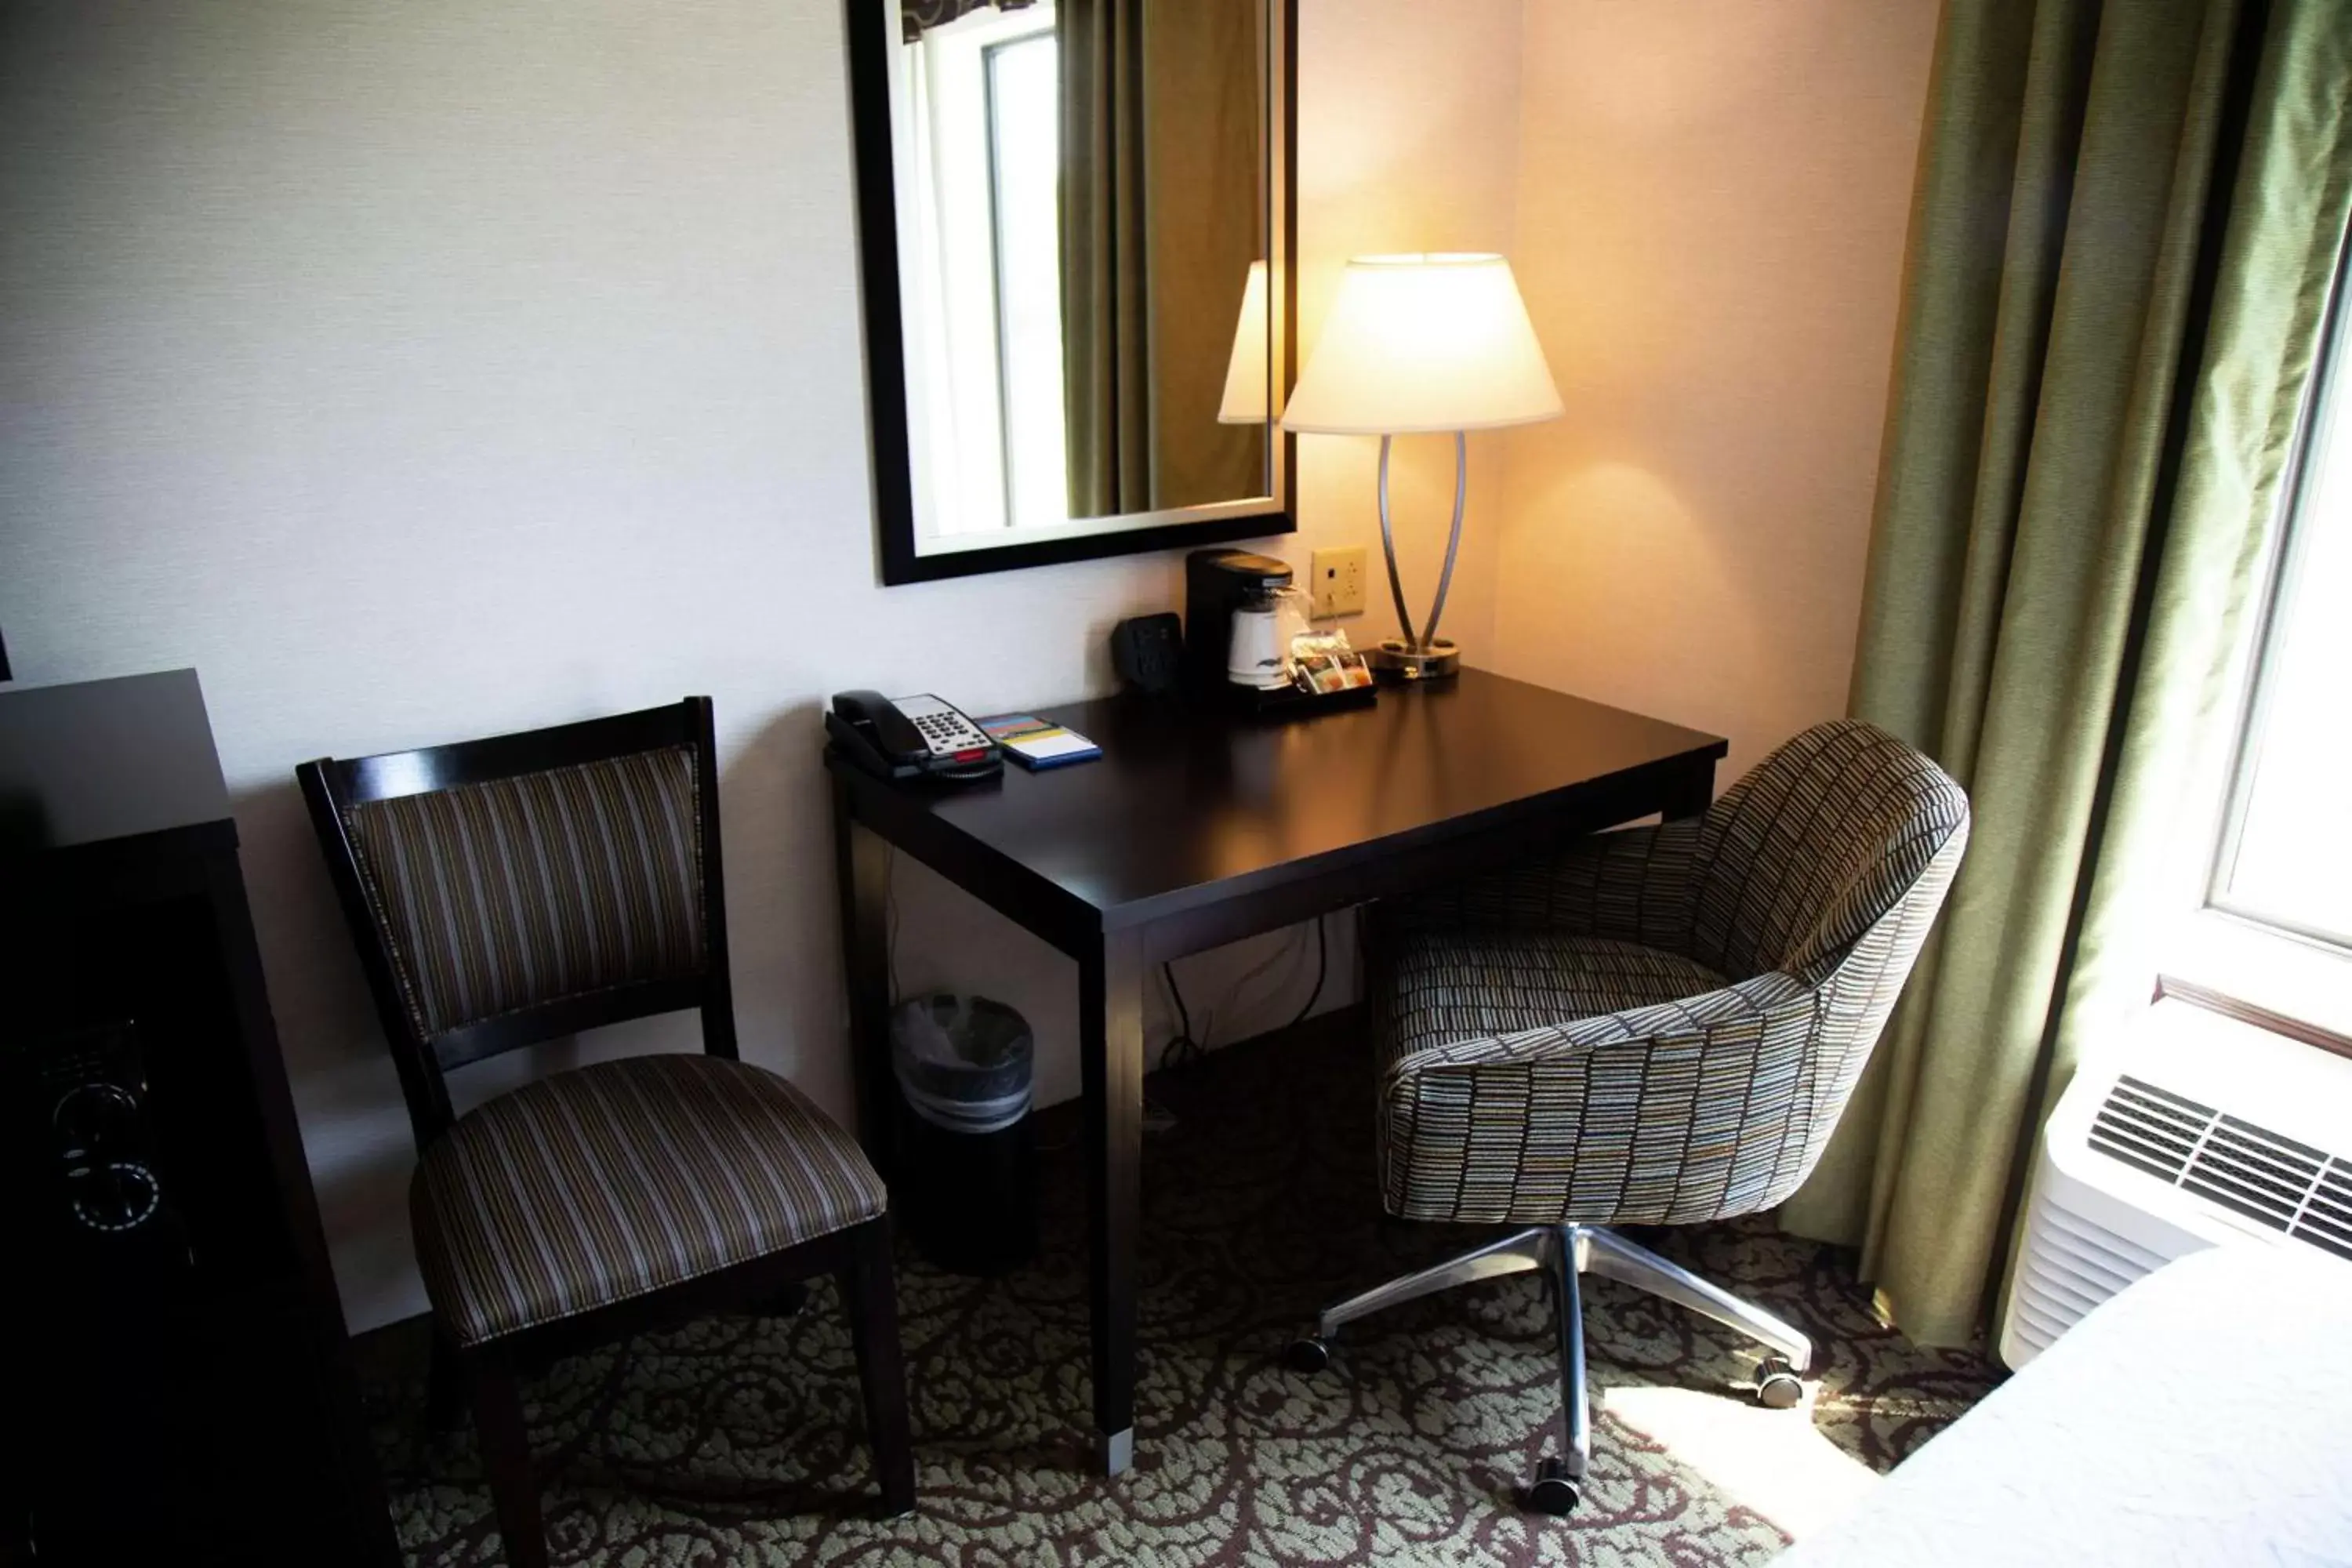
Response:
column 1023, row 153
column 1082, row 193
column 974, row 133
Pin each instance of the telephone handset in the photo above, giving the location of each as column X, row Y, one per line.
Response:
column 911, row 738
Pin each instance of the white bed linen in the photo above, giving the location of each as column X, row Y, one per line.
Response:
column 2203, row 1416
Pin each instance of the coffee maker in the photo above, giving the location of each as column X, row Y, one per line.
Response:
column 1219, row 584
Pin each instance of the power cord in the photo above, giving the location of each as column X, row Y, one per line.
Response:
column 1183, row 1049
column 1322, row 968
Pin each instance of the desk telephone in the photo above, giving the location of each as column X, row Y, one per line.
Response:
column 911, row 738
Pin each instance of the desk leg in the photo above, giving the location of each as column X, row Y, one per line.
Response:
column 862, row 865
column 1691, row 792
column 1110, row 1053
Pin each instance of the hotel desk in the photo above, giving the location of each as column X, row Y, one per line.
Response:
column 1197, row 828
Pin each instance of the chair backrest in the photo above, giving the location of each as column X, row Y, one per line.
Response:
column 1820, row 841
column 514, row 890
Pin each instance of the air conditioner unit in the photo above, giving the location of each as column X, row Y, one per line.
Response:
column 2199, row 1131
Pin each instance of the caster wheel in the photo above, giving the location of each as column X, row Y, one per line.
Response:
column 1308, row 1355
column 1777, row 1385
column 1551, row 1491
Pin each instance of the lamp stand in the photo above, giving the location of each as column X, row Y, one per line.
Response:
column 1420, row 654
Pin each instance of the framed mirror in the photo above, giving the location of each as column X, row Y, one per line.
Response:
column 1076, row 223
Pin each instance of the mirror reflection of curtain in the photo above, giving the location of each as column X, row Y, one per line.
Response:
column 1163, row 209
column 914, row 15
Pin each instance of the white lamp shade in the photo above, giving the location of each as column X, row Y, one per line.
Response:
column 1423, row 343
column 1246, row 383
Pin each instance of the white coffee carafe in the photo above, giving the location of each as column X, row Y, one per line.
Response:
column 1258, row 655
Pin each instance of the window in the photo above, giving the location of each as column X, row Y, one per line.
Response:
column 2275, row 933
column 2286, row 860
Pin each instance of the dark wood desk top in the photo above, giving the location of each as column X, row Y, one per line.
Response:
column 1187, row 806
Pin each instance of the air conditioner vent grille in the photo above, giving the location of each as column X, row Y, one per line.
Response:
column 2273, row 1179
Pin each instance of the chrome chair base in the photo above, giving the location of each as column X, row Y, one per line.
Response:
column 1565, row 1253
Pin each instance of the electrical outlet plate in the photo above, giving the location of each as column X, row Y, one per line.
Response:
column 1338, row 577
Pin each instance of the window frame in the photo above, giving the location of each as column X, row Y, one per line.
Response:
column 2230, row 957
column 2291, row 556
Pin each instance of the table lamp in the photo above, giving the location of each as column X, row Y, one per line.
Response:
column 1414, row 344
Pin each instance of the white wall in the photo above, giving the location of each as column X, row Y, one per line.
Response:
column 1711, row 210
column 433, row 370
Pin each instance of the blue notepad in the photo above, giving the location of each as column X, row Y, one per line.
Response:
column 1035, row 742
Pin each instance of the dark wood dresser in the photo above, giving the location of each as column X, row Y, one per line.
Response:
column 179, row 1383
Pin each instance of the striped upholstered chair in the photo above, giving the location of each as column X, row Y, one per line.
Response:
column 1661, row 1029
column 508, row 891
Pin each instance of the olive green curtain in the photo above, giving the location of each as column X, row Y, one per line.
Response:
column 1207, row 175
column 2125, row 229
column 1163, row 209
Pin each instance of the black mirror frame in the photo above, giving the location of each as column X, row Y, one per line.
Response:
column 870, row 31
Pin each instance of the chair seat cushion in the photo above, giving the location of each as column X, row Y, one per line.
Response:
column 603, row 1183
column 1445, row 985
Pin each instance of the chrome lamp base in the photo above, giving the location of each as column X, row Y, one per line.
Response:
column 1420, row 654
column 1394, row 661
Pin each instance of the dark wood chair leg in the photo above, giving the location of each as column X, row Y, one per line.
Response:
column 870, row 1294
column 444, row 1387
column 506, row 1459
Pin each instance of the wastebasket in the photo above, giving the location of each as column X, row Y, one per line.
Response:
column 967, row 1192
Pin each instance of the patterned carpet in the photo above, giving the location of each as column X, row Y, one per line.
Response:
column 741, row 1440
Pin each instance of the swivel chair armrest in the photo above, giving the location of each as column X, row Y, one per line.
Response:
column 1742, row 1012
column 1599, row 1119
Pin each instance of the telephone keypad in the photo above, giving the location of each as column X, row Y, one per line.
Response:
column 944, row 729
